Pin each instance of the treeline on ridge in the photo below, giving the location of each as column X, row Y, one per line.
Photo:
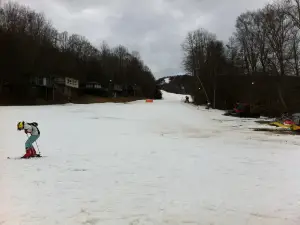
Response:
column 259, row 64
column 31, row 47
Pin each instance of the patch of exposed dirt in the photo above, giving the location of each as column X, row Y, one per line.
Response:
column 277, row 131
column 87, row 99
column 263, row 121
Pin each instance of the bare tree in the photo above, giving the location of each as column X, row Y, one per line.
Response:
column 292, row 9
column 247, row 35
column 202, row 58
column 232, row 50
column 295, row 52
column 279, row 29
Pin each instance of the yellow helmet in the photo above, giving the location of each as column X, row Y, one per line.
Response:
column 20, row 125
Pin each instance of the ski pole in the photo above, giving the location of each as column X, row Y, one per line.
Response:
column 37, row 147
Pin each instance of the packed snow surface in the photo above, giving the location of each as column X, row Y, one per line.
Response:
column 174, row 97
column 141, row 163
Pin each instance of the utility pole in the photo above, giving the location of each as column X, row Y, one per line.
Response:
column 198, row 76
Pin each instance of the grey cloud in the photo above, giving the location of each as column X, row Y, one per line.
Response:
column 155, row 28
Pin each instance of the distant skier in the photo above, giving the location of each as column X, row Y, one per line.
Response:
column 187, row 99
column 208, row 105
column 31, row 128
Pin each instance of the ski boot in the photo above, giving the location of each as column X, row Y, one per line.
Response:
column 28, row 154
column 34, row 154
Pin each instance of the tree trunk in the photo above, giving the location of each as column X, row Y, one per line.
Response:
column 296, row 61
column 215, row 86
column 280, row 95
column 1, row 85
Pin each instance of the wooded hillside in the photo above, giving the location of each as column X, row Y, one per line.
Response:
column 259, row 64
column 31, row 49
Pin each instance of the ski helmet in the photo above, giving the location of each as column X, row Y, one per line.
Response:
column 20, row 125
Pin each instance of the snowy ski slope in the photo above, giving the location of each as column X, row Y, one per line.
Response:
column 141, row 163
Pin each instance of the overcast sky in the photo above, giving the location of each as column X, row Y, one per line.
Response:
column 155, row 28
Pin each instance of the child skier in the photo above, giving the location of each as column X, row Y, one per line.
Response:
column 32, row 129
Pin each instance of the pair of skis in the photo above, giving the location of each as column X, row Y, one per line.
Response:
column 35, row 157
